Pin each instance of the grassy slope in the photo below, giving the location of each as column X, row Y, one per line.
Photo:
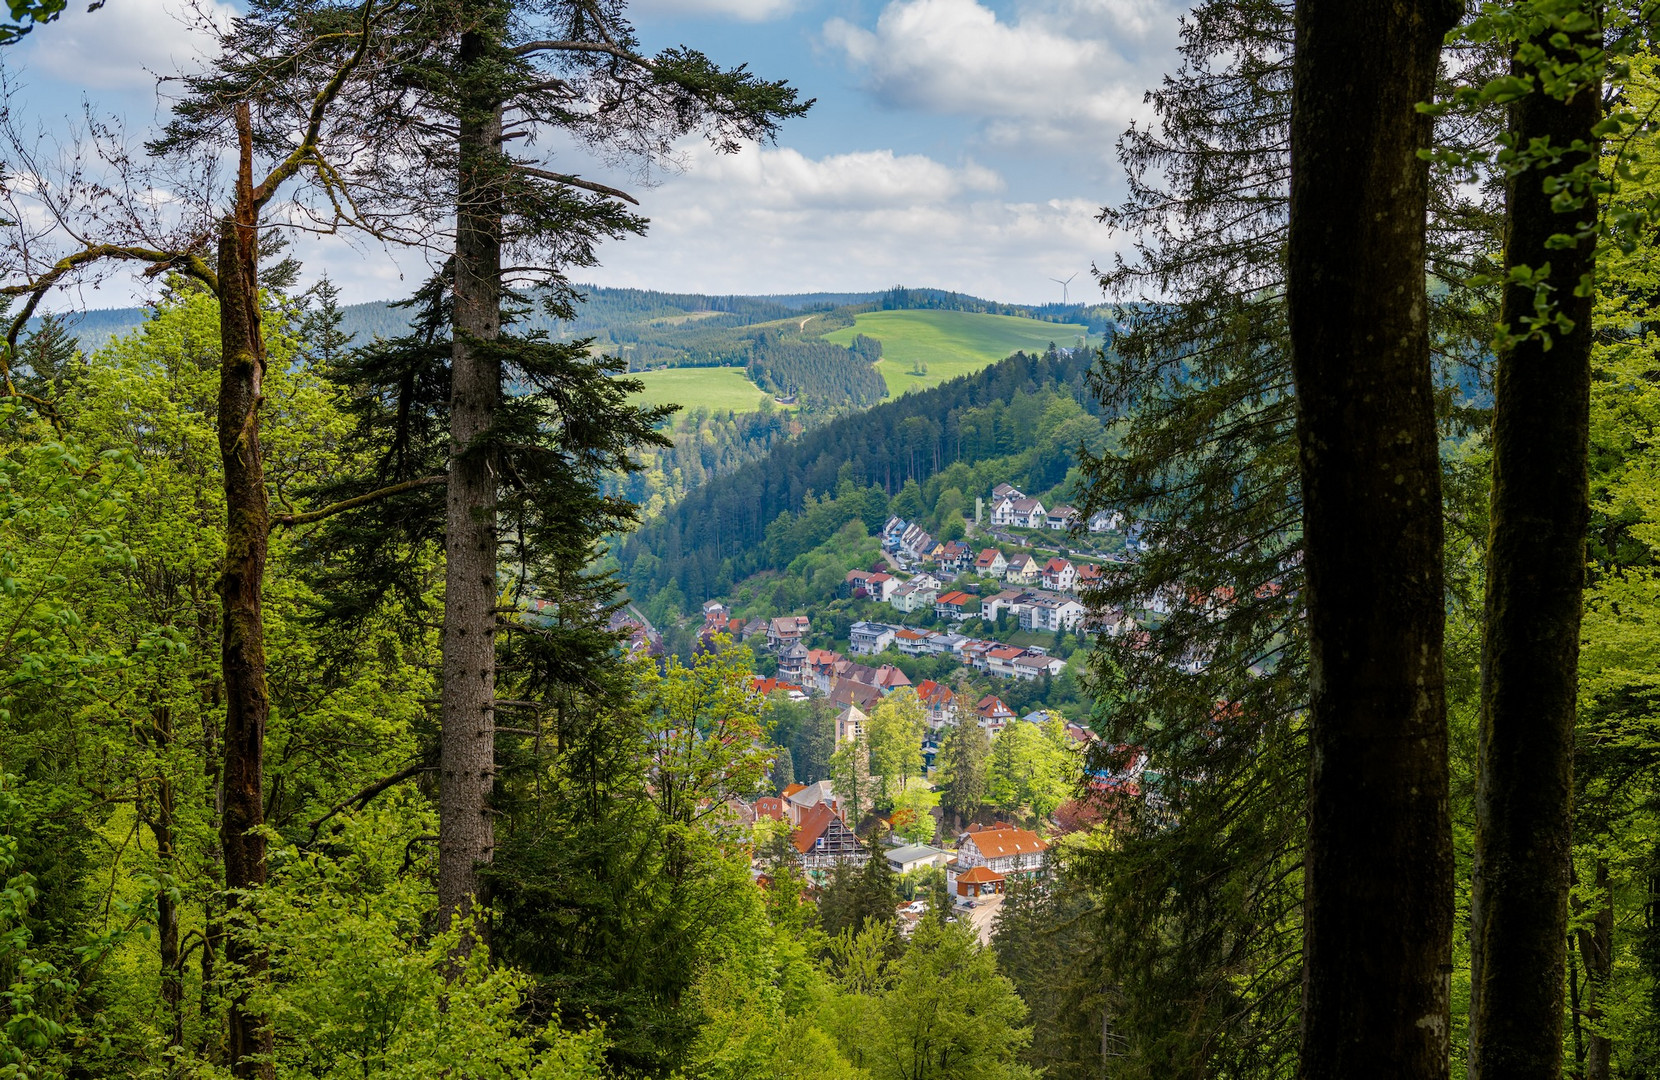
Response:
column 950, row 343
column 712, row 388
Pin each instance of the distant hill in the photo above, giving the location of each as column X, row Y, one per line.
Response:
column 603, row 311
column 925, row 347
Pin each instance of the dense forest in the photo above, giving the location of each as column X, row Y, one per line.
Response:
column 332, row 744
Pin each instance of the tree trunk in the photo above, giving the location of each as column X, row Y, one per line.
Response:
column 468, row 766
column 1379, row 867
column 1535, row 578
column 160, row 822
column 1596, row 948
column 242, row 629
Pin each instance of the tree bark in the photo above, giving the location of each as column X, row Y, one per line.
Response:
column 1379, row 866
column 467, row 766
column 1596, row 949
column 1535, row 579
column 161, row 821
column 241, row 588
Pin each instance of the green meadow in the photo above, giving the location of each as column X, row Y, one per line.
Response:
column 948, row 343
column 709, row 387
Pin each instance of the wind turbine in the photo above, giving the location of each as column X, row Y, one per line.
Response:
column 1063, row 284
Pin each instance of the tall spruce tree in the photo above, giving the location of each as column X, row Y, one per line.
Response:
column 503, row 72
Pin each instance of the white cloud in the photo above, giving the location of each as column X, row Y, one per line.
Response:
column 770, row 221
column 1068, row 71
column 126, row 44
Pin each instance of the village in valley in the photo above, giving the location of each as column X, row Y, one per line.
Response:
column 948, row 630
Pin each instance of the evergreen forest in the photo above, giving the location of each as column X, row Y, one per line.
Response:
column 1262, row 685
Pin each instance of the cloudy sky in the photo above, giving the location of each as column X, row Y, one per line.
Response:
column 963, row 144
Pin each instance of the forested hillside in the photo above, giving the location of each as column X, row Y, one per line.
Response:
column 718, row 532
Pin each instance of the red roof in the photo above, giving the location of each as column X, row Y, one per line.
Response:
column 1055, row 566
column 813, row 824
column 987, row 557
column 980, row 874
column 793, row 788
column 770, row 685
column 995, row 843
column 911, row 635
column 933, row 693
column 955, row 598
column 992, row 706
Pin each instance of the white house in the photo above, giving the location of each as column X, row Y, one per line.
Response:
column 1059, row 575
column 911, row 643
column 988, row 858
column 1033, row 667
column 914, row 596
column 1060, row 518
column 991, row 563
column 1029, row 513
column 1106, row 521
column 869, row 637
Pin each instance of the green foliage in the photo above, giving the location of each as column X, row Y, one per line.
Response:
column 897, row 725
column 941, row 1011
column 355, row 971
column 1031, row 770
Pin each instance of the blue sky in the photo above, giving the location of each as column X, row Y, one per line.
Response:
column 963, row 144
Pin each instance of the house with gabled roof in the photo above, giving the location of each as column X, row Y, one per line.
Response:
column 1106, row 521
column 786, row 629
column 880, row 586
column 1033, row 666
column 821, row 668
column 993, row 715
column 915, row 595
column 1000, row 660
column 848, row 692
column 1059, row 575
column 1023, row 570
column 955, row 556
column 987, row 859
column 939, row 700
column 800, row 798
column 990, row 563
column 956, row 605
column 1028, row 513
column 890, row 678
column 823, row 840
column 974, row 653
column 1007, row 491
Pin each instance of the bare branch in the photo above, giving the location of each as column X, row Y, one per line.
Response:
column 576, row 182
column 355, row 502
